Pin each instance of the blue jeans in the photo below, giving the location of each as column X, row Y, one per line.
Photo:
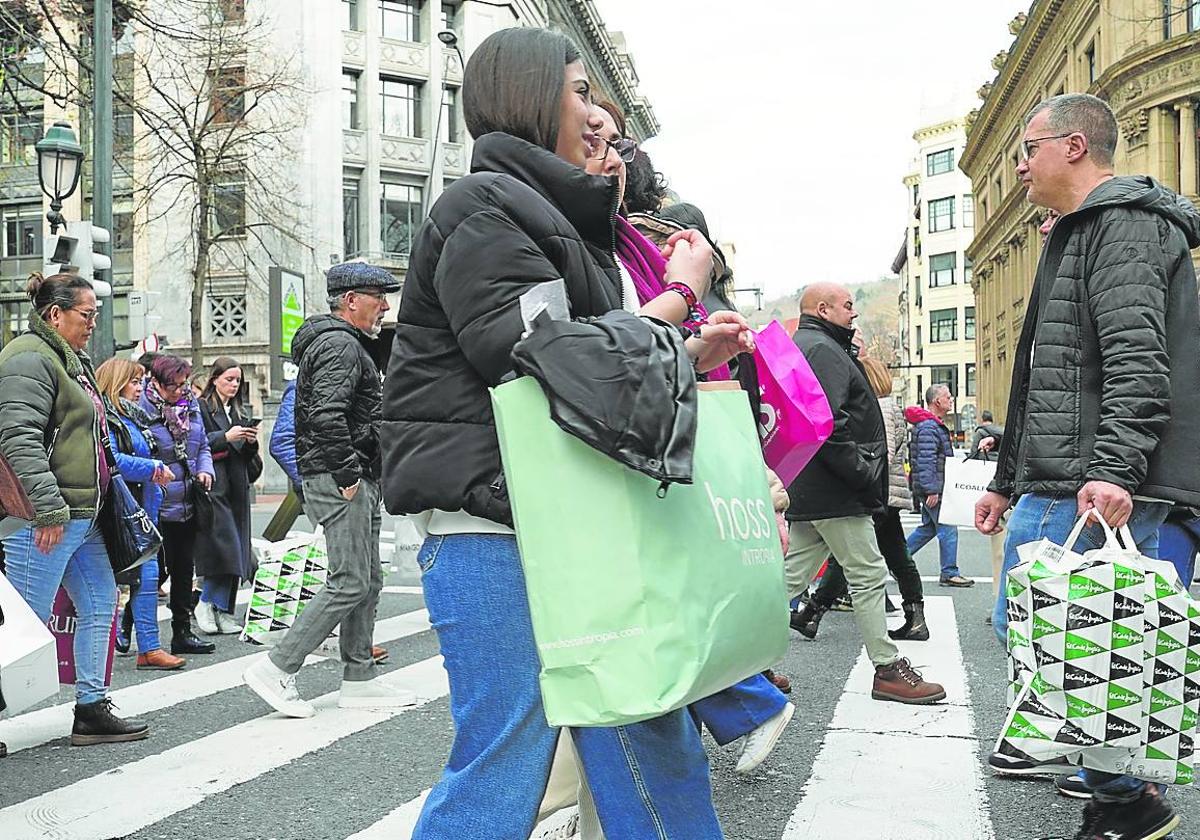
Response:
column 220, row 591
column 145, row 608
column 649, row 780
column 80, row 564
column 1037, row 516
column 1178, row 545
column 739, row 709
column 947, row 537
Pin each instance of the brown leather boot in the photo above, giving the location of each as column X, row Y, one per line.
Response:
column 902, row 683
column 779, row 681
column 159, row 660
column 379, row 654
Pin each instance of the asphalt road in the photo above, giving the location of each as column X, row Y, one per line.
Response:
column 217, row 765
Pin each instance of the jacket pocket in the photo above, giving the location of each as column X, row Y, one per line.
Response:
column 428, row 553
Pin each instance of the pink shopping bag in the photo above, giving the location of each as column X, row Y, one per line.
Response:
column 62, row 625
column 795, row 419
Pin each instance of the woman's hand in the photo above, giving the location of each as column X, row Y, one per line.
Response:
column 689, row 260
column 724, row 336
column 205, row 480
column 247, row 434
column 162, row 475
column 47, row 537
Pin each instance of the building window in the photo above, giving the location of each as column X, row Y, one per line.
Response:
column 968, row 211
column 22, row 230
column 401, row 108
column 350, row 15
column 967, row 270
column 1166, row 18
column 920, row 346
column 943, row 325
column 941, row 214
column 916, row 189
column 228, row 100
column 227, row 316
column 944, row 375
column 941, row 270
column 227, row 198
column 122, row 233
column 450, row 16
column 19, row 131
column 939, row 162
column 350, row 219
column 401, row 19
column 1193, row 16
column 349, row 99
column 969, row 323
column 400, row 214
column 450, row 115
column 972, row 388
column 229, row 11
column 1089, row 61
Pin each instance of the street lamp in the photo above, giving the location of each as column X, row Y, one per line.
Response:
column 450, row 38
column 60, row 161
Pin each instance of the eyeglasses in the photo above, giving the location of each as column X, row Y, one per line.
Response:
column 375, row 293
column 173, row 386
column 625, row 148
column 88, row 315
column 1029, row 147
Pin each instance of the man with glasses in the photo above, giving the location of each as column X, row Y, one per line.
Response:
column 338, row 405
column 1104, row 411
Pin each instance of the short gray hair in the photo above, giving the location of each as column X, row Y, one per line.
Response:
column 1089, row 115
column 934, row 391
column 337, row 302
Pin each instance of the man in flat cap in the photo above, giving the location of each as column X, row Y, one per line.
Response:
column 338, row 395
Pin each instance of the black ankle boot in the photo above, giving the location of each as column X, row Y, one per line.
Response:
column 914, row 628
column 183, row 640
column 96, row 724
column 808, row 620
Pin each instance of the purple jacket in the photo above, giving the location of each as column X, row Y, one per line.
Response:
column 174, row 505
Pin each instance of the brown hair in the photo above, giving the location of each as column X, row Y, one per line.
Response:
column 879, row 376
column 616, row 113
column 113, row 375
column 209, row 394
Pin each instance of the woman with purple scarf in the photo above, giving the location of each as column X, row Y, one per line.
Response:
column 183, row 449
column 754, row 709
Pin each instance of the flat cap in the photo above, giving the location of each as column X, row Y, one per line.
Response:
column 348, row 276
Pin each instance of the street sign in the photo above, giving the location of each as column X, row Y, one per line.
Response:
column 287, row 314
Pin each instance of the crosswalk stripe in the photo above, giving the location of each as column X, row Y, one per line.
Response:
column 243, row 597
column 925, row 757
column 398, row 825
column 34, row 728
column 88, row 809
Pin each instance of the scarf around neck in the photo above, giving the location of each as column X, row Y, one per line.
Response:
column 177, row 417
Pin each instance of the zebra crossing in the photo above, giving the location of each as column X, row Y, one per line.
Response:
column 217, row 756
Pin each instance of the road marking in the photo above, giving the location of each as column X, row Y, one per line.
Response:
column 164, row 611
column 35, row 728
column 399, row 824
column 925, row 757
column 89, row 809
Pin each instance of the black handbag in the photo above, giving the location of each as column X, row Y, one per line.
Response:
column 198, row 497
column 130, row 536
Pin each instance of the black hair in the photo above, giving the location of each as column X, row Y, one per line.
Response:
column 514, row 83
column 645, row 189
column 61, row 290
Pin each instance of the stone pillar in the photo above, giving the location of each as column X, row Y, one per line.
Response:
column 1187, row 147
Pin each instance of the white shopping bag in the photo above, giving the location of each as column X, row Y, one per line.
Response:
column 966, row 481
column 28, row 658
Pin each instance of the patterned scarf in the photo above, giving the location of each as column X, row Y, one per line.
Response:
column 177, row 418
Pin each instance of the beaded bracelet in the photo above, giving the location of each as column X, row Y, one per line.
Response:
column 689, row 295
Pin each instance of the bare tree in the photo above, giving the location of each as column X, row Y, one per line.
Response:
column 217, row 102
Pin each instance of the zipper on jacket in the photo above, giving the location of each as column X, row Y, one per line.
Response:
column 617, row 260
column 53, row 440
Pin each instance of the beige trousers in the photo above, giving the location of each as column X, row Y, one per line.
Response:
column 567, row 786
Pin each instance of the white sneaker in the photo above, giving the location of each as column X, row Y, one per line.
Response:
column 568, row 830
column 277, row 688
column 761, row 741
column 226, row 624
column 206, row 618
column 372, row 694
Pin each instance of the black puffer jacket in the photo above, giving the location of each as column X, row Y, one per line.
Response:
column 338, row 395
column 848, row 476
column 1113, row 328
column 524, row 216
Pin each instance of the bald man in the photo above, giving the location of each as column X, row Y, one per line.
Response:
column 834, row 498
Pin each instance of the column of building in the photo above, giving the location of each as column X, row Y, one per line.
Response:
column 1187, row 147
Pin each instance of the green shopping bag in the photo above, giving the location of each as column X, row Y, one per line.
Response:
column 641, row 604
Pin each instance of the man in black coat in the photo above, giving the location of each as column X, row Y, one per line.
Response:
column 833, row 499
column 1104, row 411
column 338, row 407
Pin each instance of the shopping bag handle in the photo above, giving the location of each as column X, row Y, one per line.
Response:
column 1090, row 513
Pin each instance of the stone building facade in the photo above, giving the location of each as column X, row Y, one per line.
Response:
column 1141, row 56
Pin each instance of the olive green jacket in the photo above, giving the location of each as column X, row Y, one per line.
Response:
column 48, row 424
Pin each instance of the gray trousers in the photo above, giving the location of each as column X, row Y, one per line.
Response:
column 851, row 539
column 351, row 592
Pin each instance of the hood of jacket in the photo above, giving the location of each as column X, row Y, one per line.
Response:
column 588, row 201
column 624, row 385
column 319, row 325
column 1144, row 192
column 915, row 414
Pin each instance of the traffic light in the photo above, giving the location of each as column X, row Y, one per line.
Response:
column 142, row 325
column 73, row 251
